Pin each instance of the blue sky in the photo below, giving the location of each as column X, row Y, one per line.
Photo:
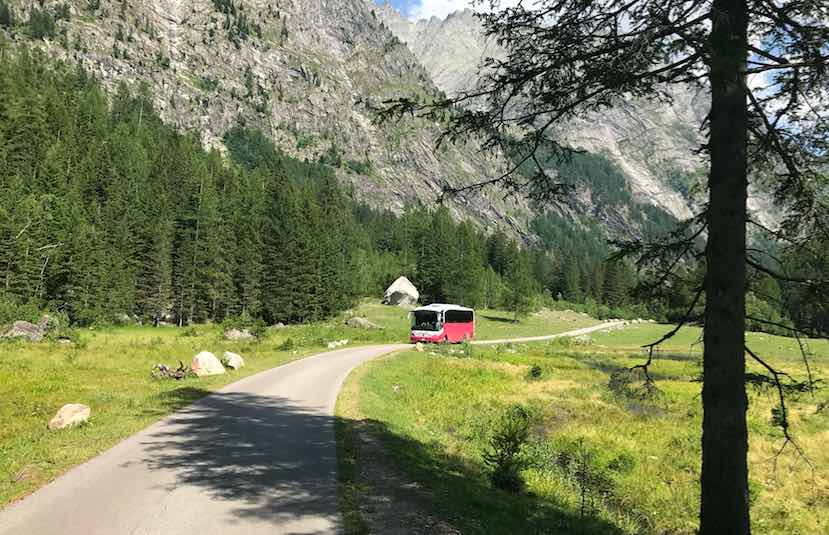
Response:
column 423, row 9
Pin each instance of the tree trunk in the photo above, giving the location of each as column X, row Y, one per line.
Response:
column 724, row 479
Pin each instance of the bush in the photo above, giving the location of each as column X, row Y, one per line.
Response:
column 357, row 167
column 11, row 312
column 190, row 332
column 287, row 345
column 589, row 471
column 535, row 372
column 243, row 321
column 41, row 24
column 504, row 459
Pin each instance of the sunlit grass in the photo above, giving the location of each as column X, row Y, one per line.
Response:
column 449, row 402
column 110, row 372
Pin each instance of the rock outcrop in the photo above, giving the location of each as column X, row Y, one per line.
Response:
column 70, row 415
column 361, row 323
column 401, row 293
column 24, row 329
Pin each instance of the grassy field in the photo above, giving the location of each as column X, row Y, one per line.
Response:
column 109, row 370
column 435, row 412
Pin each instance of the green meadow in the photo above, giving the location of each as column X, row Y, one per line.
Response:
column 638, row 457
column 108, row 368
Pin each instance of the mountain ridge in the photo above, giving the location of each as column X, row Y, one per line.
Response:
column 310, row 76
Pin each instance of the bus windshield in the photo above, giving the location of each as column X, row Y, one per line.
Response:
column 425, row 320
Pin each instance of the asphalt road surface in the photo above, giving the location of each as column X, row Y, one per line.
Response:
column 256, row 457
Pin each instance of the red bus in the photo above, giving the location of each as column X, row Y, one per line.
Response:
column 442, row 323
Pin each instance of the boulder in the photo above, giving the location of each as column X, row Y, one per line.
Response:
column 24, row 329
column 206, row 363
column 69, row 415
column 401, row 293
column 361, row 323
column 236, row 334
column 48, row 324
column 233, row 360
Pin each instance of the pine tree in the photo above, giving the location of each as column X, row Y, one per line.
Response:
column 572, row 281
column 520, row 285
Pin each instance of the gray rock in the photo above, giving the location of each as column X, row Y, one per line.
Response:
column 361, row 323
column 233, row 360
column 24, row 329
column 70, row 415
column 206, row 363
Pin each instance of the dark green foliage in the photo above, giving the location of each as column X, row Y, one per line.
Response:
column 521, row 286
column 41, row 24
column 360, row 168
column 106, row 212
column 332, row 157
column 504, row 460
column 62, row 12
column 6, row 17
column 589, row 471
column 236, row 22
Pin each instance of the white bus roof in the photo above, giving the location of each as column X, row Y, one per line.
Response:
column 442, row 307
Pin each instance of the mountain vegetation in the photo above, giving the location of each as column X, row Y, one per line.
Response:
column 109, row 214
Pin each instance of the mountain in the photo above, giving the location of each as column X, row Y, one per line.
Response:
column 310, row 74
column 648, row 141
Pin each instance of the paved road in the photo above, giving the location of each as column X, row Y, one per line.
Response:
column 577, row 332
column 257, row 457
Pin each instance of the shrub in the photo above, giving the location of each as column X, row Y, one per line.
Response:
column 190, row 332
column 257, row 327
column 41, row 24
column 287, row 345
column 504, row 459
column 357, row 167
column 587, row 470
column 535, row 372
column 11, row 312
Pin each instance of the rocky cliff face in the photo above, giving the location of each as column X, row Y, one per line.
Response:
column 652, row 143
column 310, row 73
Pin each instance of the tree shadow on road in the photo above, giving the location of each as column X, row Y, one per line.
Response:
column 276, row 460
column 277, row 463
